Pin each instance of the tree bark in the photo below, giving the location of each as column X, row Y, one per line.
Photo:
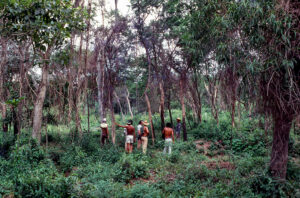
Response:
column 162, row 105
column 38, row 105
column 183, row 109
column 100, row 84
column 169, row 108
column 112, row 114
column 212, row 91
column 2, row 94
column 279, row 155
column 150, row 117
column 77, row 108
column 197, row 105
column 128, row 103
column 119, row 103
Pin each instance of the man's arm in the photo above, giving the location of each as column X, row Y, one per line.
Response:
column 120, row 125
column 173, row 136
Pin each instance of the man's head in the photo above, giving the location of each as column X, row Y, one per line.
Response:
column 178, row 119
column 129, row 122
column 169, row 125
column 141, row 122
column 104, row 120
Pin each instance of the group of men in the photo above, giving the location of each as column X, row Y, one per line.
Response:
column 142, row 135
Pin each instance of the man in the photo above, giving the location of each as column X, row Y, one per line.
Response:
column 168, row 133
column 130, row 136
column 105, row 133
column 145, row 136
column 178, row 128
column 140, row 130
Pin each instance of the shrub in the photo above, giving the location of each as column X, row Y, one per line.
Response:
column 130, row 167
column 140, row 190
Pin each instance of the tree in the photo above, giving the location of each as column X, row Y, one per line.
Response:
column 46, row 24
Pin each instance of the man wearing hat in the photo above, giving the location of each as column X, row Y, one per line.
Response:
column 130, row 136
column 105, row 133
column 178, row 128
column 145, row 136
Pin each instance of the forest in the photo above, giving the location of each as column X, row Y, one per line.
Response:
column 150, row 98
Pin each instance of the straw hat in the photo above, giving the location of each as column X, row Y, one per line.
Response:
column 145, row 123
column 178, row 119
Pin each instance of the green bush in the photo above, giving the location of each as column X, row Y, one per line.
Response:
column 141, row 190
column 130, row 167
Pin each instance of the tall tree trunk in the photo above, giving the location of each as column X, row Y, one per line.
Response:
column 88, row 110
column 150, row 117
column 196, row 105
column 233, row 100
column 21, row 87
column 100, row 84
column 112, row 114
column 162, row 105
column 279, row 155
column 183, row 109
column 15, row 121
column 169, row 107
column 38, row 105
column 128, row 103
column 119, row 103
column 77, row 108
column 70, row 80
column 199, row 104
column 2, row 89
column 212, row 91
column 70, row 95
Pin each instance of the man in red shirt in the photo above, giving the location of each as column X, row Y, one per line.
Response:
column 130, row 137
column 168, row 133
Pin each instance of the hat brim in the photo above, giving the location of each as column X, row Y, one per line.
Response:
column 146, row 124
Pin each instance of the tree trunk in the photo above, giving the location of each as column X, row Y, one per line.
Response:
column 199, row 112
column 212, row 91
column 128, row 103
column 2, row 94
column 119, row 103
column 77, row 108
column 100, row 85
column 196, row 104
column 38, row 105
column 21, row 89
column 150, row 117
column 162, row 105
column 70, row 79
column 183, row 109
column 112, row 114
column 169, row 108
column 88, row 111
column 233, row 110
column 279, row 155
column 15, row 121
column 70, row 96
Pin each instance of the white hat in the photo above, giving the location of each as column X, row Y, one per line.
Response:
column 104, row 120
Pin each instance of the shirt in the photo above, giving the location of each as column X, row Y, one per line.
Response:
column 104, row 129
column 139, row 127
column 146, row 132
column 130, row 129
column 178, row 127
